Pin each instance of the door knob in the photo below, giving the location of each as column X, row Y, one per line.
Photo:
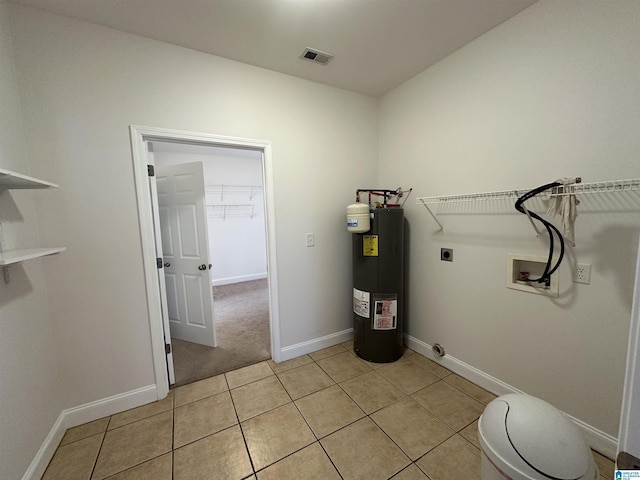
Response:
column 167, row 265
column 202, row 267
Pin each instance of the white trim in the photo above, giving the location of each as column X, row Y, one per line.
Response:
column 140, row 135
column 47, row 449
column 629, row 437
column 88, row 412
column 310, row 346
column 597, row 439
column 238, row 279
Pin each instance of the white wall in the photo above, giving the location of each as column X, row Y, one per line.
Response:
column 549, row 93
column 553, row 92
column 237, row 240
column 30, row 397
column 82, row 86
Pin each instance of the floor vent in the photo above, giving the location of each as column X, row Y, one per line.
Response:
column 316, row 56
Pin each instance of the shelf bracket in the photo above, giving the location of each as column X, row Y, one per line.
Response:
column 5, row 274
column 432, row 214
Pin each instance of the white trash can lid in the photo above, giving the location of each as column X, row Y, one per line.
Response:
column 540, row 435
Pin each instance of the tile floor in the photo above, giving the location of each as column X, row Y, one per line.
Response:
column 327, row 415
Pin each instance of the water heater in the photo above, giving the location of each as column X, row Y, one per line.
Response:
column 378, row 281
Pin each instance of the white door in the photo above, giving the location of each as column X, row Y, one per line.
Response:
column 629, row 436
column 153, row 193
column 185, row 245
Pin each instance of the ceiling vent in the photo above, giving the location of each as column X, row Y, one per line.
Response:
column 316, row 56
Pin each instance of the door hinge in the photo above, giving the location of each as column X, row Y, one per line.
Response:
column 159, row 262
column 151, row 170
column 167, row 348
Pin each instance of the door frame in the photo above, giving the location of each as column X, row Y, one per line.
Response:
column 629, row 432
column 139, row 136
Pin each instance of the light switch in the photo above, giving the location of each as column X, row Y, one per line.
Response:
column 311, row 239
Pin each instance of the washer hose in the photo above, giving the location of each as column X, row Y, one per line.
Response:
column 548, row 269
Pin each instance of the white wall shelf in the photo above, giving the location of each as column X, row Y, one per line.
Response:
column 603, row 187
column 12, row 257
column 12, row 180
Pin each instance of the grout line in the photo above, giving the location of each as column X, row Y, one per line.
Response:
column 104, row 436
column 244, row 438
column 239, row 424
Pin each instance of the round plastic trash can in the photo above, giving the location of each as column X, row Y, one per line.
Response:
column 525, row 438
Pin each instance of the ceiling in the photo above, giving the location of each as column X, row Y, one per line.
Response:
column 377, row 44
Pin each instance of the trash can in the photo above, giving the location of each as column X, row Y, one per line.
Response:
column 525, row 438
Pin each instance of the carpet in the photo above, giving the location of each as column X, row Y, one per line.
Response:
column 241, row 312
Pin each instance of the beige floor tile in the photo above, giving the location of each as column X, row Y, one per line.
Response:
column 343, row 366
column 430, row 366
column 469, row 388
column 134, row 443
column 412, row 427
column 605, row 466
column 455, row 458
column 86, row 430
column 363, row 451
column 276, row 434
column 470, row 433
column 159, row 468
column 411, row 473
column 249, row 374
column 407, row 376
column 371, row 365
column 199, row 390
column 201, row 418
column 222, row 455
column 289, row 364
column 348, row 345
column 259, row 397
column 144, row 411
column 327, row 352
column 371, row 392
column 449, row 404
column 304, row 380
column 74, row 461
column 407, row 352
column 328, row 410
column 310, row 463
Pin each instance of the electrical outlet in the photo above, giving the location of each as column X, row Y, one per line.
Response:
column 446, row 254
column 582, row 273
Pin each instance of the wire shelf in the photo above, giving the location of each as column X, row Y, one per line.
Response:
column 226, row 211
column 609, row 186
column 224, row 189
column 603, row 187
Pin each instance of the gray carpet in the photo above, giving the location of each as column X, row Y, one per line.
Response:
column 241, row 313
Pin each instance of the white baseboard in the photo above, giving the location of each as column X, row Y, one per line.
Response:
column 47, row 449
column 299, row 349
column 238, row 279
column 89, row 412
column 598, row 440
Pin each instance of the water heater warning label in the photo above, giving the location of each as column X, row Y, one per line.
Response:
column 361, row 302
column 370, row 245
column 386, row 315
